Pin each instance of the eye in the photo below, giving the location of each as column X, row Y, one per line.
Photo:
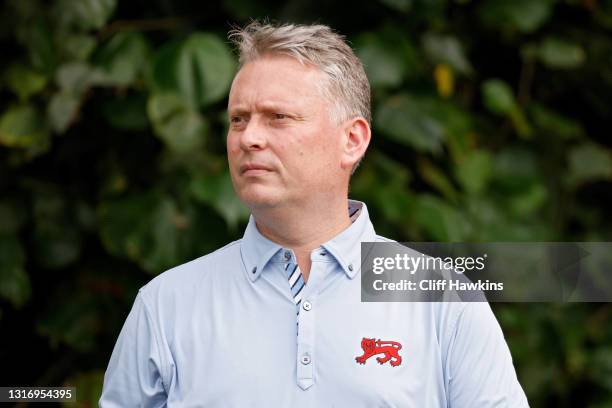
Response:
column 235, row 119
column 280, row 116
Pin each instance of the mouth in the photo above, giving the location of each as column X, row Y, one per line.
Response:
column 251, row 169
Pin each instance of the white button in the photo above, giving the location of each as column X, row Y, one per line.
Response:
column 305, row 359
column 307, row 306
column 287, row 255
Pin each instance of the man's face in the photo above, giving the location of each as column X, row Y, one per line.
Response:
column 282, row 145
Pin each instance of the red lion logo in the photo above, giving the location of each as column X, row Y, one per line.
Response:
column 372, row 347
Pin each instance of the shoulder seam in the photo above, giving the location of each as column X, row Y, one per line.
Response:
column 206, row 257
column 238, row 241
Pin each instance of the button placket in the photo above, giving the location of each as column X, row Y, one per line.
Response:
column 306, row 356
column 305, row 351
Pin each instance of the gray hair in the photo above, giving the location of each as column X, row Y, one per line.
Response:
column 347, row 87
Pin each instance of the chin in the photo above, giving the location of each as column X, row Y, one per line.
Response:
column 259, row 198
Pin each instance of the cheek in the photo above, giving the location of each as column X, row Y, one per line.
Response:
column 232, row 146
column 318, row 163
column 321, row 140
column 327, row 151
column 314, row 152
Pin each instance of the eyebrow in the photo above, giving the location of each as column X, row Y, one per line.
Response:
column 263, row 107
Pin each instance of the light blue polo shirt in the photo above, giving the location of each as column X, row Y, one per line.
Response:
column 220, row 331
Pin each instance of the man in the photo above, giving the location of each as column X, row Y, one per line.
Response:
column 275, row 319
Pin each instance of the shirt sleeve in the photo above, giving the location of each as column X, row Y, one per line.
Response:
column 133, row 377
column 479, row 365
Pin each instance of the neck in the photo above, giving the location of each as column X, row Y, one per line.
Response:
column 305, row 228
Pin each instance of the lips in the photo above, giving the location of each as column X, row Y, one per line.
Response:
column 254, row 168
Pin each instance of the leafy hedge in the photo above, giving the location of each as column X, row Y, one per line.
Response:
column 490, row 124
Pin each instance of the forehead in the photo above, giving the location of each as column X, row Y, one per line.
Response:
column 276, row 79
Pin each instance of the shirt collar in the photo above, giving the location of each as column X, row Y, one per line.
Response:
column 257, row 250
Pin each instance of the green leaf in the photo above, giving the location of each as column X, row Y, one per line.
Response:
column 383, row 183
column 554, row 123
column 200, row 69
column 85, row 14
column 180, row 127
column 57, row 243
column 56, row 237
column 218, row 192
column 163, row 70
column 455, row 119
column 76, row 77
column 439, row 220
column 206, row 68
column 62, row 110
column 151, row 230
column 498, row 97
column 123, row 57
column 384, row 67
column 489, row 222
column 437, row 179
column 394, row 203
column 514, row 168
column 528, row 201
column 14, row 281
column 522, row 15
column 474, row 171
column 77, row 46
column 126, row 227
column 38, row 41
column 23, row 127
column 446, row 49
column 560, row 54
column 403, row 119
column 129, row 113
column 589, row 162
column 123, row 224
column 24, row 81
column 75, row 321
column 163, row 231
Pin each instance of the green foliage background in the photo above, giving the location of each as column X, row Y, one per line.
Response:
column 491, row 123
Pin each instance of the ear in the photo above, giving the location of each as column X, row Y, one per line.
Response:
column 356, row 136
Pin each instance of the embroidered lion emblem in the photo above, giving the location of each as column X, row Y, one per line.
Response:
column 373, row 347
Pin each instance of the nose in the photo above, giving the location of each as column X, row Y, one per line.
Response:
column 253, row 136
